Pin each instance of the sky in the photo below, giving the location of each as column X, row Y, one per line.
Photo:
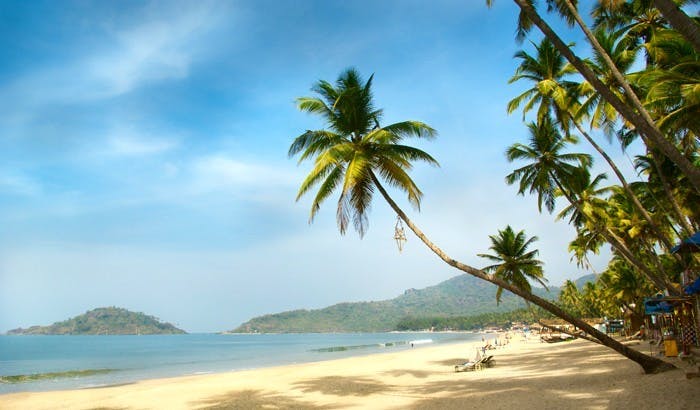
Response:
column 143, row 154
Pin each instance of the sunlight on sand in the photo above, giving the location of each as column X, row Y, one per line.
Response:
column 576, row 374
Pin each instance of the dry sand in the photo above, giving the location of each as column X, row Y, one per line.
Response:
column 569, row 375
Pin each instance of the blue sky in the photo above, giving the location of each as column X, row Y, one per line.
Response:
column 143, row 154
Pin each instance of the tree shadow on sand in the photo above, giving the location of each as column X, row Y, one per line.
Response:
column 344, row 386
column 418, row 374
column 565, row 379
column 108, row 408
column 251, row 399
column 451, row 362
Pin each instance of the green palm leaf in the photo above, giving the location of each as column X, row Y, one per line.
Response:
column 354, row 148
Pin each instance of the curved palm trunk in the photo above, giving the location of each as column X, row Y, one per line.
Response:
column 680, row 21
column 636, row 115
column 648, row 363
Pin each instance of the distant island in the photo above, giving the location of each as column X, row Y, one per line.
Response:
column 104, row 321
column 457, row 297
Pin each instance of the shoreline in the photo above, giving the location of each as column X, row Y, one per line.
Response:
column 118, row 374
column 576, row 374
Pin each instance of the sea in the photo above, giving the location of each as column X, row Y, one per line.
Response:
column 42, row 363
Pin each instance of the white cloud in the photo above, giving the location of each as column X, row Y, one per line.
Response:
column 156, row 48
column 132, row 144
column 217, row 172
column 152, row 51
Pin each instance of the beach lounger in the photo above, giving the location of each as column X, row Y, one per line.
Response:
column 487, row 361
column 471, row 366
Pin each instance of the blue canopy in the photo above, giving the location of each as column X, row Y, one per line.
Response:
column 693, row 288
column 657, row 305
column 688, row 245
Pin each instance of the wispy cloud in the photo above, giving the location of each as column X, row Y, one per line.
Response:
column 156, row 48
column 131, row 143
column 149, row 52
column 217, row 172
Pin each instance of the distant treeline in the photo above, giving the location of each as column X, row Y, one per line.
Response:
column 495, row 319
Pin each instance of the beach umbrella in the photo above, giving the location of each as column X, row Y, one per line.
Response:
column 688, row 245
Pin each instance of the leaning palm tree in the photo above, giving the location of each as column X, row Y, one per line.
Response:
column 632, row 110
column 356, row 151
column 515, row 263
column 547, row 70
column 550, row 172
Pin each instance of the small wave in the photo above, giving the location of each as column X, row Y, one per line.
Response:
column 356, row 347
column 24, row 378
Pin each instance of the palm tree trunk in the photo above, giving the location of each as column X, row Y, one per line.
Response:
column 572, row 334
column 630, row 194
column 648, row 363
column 688, row 230
column 680, row 21
column 659, row 281
column 636, row 115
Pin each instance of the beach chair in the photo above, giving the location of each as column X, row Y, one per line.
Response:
column 487, row 361
column 470, row 366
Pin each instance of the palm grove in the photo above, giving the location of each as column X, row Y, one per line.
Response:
column 572, row 100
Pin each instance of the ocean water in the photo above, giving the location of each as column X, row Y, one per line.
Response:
column 70, row 362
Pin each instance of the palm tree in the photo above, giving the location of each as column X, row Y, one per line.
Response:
column 570, row 298
column 631, row 109
column 592, row 301
column 547, row 69
column 515, row 263
column 637, row 20
column 357, row 148
column 548, row 168
column 623, row 286
column 589, row 206
column 658, row 187
column 549, row 172
column 586, row 241
column 680, row 21
column 672, row 87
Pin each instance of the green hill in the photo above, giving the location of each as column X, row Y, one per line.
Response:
column 104, row 321
column 462, row 295
column 581, row 282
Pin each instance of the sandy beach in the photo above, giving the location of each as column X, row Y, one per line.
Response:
column 527, row 374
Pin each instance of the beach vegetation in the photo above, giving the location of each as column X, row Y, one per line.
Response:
column 501, row 320
column 451, row 298
column 356, row 156
column 104, row 321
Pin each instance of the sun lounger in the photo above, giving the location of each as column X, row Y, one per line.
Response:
column 487, row 361
column 471, row 366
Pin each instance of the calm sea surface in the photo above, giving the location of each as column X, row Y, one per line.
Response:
column 109, row 360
